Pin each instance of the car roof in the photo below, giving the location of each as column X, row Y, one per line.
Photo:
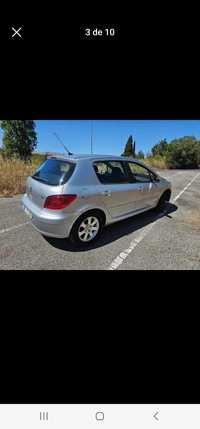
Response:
column 77, row 157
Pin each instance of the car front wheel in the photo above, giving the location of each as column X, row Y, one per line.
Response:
column 164, row 199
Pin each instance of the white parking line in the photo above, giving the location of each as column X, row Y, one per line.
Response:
column 124, row 254
column 186, row 187
column 13, row 227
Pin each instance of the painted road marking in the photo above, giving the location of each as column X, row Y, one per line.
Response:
column 186, row 187
column 13, row 227
column 125, row 253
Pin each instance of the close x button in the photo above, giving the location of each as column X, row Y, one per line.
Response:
column 16, row 32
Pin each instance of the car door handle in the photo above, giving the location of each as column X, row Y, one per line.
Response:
column 106, row 193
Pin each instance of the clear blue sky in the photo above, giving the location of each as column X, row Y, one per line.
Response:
column 110, row 136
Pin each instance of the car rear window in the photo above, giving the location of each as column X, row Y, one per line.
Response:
column 54, row 172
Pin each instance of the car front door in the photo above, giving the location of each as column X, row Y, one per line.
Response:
column 142, row 182
column 115, row 190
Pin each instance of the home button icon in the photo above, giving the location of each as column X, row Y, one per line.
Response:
column 99, row 416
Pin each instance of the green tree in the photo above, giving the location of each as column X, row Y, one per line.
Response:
column 160, row 148
column 134, row 149
column 19, row 138
column 140, row 154
column 129, row 148
column 183, row 152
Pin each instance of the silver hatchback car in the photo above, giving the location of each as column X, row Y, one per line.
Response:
column 76, row 196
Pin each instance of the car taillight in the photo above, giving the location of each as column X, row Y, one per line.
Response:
column 59, row 202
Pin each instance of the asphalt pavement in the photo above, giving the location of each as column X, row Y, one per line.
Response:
column 170, row 240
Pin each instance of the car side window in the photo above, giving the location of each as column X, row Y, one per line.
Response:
column 110, row 172
column 139, row 173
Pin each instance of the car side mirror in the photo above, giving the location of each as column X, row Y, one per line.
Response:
column 154, row 178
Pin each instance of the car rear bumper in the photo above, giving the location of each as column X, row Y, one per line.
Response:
column 49, row 224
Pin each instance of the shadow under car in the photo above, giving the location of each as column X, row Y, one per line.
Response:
column 116, row 230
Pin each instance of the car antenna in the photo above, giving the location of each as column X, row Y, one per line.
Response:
column 65, row 147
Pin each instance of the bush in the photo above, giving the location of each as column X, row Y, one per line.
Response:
column 183, row 153
column 160, row 148
column 157, row 162
column 140, row 155
column 37, row 158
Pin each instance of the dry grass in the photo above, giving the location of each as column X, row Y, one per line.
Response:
column 157, row 163
column 13, row 175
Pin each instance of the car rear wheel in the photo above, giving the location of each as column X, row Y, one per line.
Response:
column 86, row 229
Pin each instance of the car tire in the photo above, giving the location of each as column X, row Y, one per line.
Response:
column 164, row 199
column 86, row 229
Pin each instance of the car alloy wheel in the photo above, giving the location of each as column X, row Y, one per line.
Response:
column 88, row 229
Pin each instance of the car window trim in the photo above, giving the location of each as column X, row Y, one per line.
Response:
column 131, row 174
column 146, row 167
column 111, row 160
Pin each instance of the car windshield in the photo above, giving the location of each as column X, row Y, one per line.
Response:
column 54, row 172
